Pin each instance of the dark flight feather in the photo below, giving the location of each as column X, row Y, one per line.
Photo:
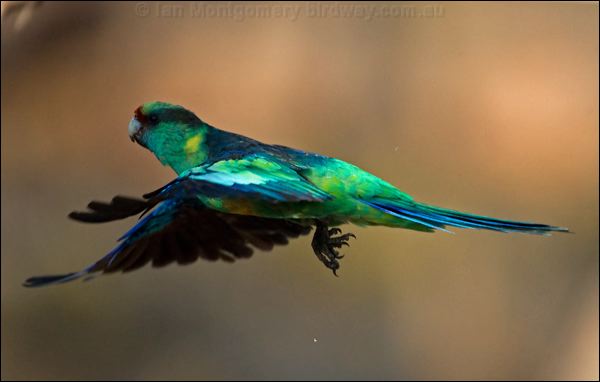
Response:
column 177, row 231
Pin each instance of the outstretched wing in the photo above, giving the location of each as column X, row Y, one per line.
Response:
column 177, row 230
column 253, row 177
column 181, row 229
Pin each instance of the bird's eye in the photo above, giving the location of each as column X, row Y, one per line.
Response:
column 153, row 119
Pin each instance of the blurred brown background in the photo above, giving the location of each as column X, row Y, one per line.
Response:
column 487, row 108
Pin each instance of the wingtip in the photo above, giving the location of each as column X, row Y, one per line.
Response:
column 84, row 217
column 73, row 215
column 39, row 281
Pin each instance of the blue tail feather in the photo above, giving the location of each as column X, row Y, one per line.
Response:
column 438, row 218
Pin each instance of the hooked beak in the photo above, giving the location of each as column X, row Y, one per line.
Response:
column 134, row 129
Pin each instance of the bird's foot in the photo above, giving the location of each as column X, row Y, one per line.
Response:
column 326, row 245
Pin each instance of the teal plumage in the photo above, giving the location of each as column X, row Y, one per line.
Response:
column 234, row 194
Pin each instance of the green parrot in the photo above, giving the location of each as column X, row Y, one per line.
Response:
column 233, row 194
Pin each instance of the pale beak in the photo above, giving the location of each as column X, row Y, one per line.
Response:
column 134, row 128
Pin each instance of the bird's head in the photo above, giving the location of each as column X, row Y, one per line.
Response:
column 174, row 134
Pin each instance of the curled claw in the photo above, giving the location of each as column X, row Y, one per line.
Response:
column 334, row 266
column 346, row 236
column 334, row 231
column 339, row 243
column 326, row 246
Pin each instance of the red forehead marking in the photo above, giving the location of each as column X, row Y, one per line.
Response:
column 139, row 115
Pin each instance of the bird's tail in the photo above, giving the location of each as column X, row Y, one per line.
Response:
column 438, row 218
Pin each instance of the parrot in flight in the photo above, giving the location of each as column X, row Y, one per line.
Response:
column 233, row 194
